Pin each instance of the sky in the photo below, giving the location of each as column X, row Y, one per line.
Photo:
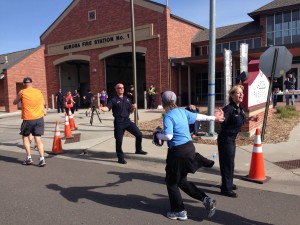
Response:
column 24, row 21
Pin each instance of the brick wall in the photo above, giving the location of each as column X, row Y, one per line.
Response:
column 32, row 66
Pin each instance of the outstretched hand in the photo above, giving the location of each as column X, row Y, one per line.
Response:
column 219, row 114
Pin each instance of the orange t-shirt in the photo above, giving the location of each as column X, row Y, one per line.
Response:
column 32, row 103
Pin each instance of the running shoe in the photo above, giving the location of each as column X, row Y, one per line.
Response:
column 42, row 163
column 27, row 161
column 210, row 206
column 177, row 215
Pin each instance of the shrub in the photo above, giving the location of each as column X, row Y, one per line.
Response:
column 285, row 112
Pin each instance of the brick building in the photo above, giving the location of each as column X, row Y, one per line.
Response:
column 13, row 68
column 89, row 47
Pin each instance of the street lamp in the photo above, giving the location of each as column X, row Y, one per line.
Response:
column 212, row 65
column 134, row 60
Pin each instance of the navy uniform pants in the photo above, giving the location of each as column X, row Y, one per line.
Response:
column 226, row 150
column 120, row 125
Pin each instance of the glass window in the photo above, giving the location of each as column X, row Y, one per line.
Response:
column 278, row 38
column 287, row 39
column 270, row 39
column 233, row 46
column 270, row 23
column 249, row 42
column 219, row 48
column 278, row 21
column 204, row 50
column 295, row 18
column 286, row 20
column 197, row 51
column 296, row 35
column 257, row 43
column 226, row 45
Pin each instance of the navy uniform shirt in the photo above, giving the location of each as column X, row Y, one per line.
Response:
column 120, row 106
column 60, row 97
column 234, row 119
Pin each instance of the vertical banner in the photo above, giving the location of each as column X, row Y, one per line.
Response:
column 244, row 61
column 227, row 74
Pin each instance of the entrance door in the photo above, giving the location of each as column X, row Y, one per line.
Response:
column 75, row 75
column 119, row 70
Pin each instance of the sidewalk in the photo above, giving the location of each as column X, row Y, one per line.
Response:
column 98, row 141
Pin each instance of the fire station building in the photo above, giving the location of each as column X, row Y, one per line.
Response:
column 89, row 47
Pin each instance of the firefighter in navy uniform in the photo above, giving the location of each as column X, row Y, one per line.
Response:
column 121, row 107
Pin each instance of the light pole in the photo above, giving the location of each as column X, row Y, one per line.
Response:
column 134, row 60
column 212, row 65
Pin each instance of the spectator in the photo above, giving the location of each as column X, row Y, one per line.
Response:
column 194, row 128
column 276, row 89
column 151, row 97
column 103, row 97
column 69, row 103
column 89, row 99
column 60, row 101
column 76, row 98
column 290, row 84
column 130, row 93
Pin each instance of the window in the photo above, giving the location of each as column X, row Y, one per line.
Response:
column 278, row 37
column 287, row 37
column 296, row 35
column 225, row 45
column 278, row 21
column 91, row 15
column 257, row 43
column 295, row 18
column 270, row 39
column 270, row 23
column 204, row 50
column 219, row 48
column 282, row 28
column 249, row 42
column 197, row 51
column 287, row 20
column 233, row 46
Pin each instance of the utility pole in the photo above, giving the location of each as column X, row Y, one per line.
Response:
column 134, row 60
column 212, row 65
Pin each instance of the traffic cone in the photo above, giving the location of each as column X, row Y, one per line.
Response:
column 257, row 169
column 57, row 147
column 68, row 132
column 71, row 121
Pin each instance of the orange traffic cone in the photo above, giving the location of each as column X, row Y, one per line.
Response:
column 71, row 121
column 68, row 132
column 57, row 147
column 257, row 169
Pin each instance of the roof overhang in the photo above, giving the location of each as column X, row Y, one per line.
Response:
column 252, row 54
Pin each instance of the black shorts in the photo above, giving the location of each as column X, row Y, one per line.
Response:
column 34, row 127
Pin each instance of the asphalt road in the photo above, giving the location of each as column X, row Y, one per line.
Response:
column 88, row 191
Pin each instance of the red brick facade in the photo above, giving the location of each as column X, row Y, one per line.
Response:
column 168, row 40
column 32, row 66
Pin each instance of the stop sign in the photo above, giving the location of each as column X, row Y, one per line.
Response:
column 282, row 65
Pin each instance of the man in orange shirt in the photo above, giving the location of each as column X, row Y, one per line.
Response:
column 33, row 112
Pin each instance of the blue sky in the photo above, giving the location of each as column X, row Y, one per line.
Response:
column 23, row 21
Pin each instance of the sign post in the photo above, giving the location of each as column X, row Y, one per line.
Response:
column 281, row 63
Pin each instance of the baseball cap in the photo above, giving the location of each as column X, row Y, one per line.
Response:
column 168, row 97
column 27, row 80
